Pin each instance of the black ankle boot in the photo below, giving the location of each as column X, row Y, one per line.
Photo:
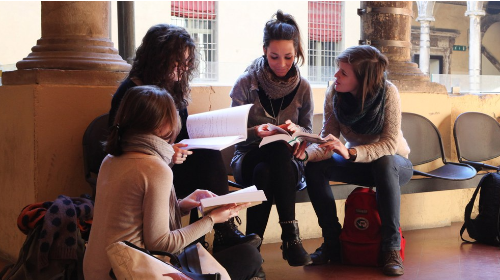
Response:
column 227, row 235
column 326, row 252
column 261, row 275
column 292, row 248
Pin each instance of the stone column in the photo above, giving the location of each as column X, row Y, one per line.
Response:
column 75, row 35
column 475, row 12
column 425, row 16
column 126, row 25
column 386, row 25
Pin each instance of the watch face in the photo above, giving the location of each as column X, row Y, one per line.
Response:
column 352, row 154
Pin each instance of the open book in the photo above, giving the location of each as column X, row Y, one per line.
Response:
column 250, row 194
column 283, row 135
column 217, row 130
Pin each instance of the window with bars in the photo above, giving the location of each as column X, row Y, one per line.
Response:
column 199, row 19
column 325, row 39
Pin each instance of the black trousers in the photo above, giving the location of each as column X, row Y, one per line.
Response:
column 269, row 168
column 387, row 174
column 204, row 169
column 241, row 261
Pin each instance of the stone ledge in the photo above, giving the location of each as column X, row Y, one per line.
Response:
column 63, row 77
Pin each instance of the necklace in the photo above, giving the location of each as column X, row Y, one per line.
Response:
column 274, row 114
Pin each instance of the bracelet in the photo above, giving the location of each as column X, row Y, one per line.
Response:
column 306, row 158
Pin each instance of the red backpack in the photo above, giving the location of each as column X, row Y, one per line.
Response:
column 360, row 237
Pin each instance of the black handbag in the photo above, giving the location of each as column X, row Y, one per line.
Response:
column 174, row 267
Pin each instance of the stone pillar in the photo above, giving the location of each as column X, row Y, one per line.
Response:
column 475, row 12
column 386, row 25
column 126, row 27
column 425, row 16
column 75, row 36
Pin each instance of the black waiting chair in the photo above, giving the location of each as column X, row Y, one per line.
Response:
column 477, row 139
column 426, row 146
column 93, row 149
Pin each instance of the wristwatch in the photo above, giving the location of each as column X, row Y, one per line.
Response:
column 352, row 154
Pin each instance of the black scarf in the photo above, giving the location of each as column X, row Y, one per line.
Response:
column 370, row 120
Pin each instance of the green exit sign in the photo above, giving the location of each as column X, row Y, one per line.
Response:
column 459, row 48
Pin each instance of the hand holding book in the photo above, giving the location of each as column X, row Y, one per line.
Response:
column 284, row 135
column 225, row 212
column 247, row 195
column 217, row 129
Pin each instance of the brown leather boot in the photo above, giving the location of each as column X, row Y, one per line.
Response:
column 393, row 264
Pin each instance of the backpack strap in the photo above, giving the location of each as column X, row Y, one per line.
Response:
column 5, row 270
column 498, row 228
column 468, row 209
column 498, row 220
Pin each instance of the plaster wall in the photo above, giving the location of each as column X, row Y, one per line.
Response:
column 451, row 16
column 491, row 41
column 19, row 30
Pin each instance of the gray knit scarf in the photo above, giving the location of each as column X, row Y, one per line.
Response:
column 154, row 145
column 274, row 86
column 370, row 120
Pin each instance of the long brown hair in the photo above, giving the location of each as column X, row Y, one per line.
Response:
column 369, row 66
column 284, row 27
column 143, row 110
column 162, row 48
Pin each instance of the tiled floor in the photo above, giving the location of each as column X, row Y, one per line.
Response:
column 430, row 254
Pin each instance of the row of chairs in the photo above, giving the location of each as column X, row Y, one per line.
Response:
column 477, row 139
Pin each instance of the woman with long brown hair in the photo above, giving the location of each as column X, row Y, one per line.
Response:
column 365, row 108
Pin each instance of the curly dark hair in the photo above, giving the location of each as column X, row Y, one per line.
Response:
column 163, row 48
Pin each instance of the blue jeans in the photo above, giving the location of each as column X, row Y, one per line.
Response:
column 387, row 174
